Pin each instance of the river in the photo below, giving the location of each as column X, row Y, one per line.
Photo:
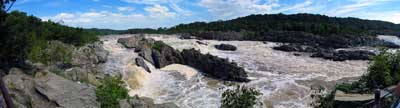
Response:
column 284, row 79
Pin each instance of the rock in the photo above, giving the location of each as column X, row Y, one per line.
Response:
column 167, row 105
column 146, row 52
column 76, row 74
column 125, row 104
column 89, row 55
column 144, row 102
column 213, row 66
column 65, row 93
column 158, row 53
column 165, row 55
column 23, row 92
column 343, row 55
column 140, row 62
column 130, row 42
column 100, row 52
column 47, row 90
column 295, row 48
column 296, row 54
column 225, row 47
column 201, row 43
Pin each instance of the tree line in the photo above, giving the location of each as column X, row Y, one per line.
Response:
column 23, row 36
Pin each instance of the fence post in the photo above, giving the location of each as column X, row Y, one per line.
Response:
column 377, row 102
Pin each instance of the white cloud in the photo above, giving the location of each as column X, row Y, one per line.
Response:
column 358, row 5
column 235, row 8
column 301, row 7
column 104, row 19
column 126, row 9
column 158, row 11
column 173, row 4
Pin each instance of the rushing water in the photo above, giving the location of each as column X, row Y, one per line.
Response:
column 278, row 75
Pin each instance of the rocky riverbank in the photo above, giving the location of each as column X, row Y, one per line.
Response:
column 66, row 84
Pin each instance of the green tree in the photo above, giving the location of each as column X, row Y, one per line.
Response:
column 240, row 97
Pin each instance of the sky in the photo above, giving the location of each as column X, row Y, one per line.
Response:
column 125, row 14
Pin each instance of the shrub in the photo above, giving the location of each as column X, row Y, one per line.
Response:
column 158, row 45
column 240, row 97
column 49, row 53
column 110, row 92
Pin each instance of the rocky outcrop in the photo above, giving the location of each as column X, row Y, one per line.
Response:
column 143, row 102
column 225, row 47
column 140, row 62
column 328, row 53
column 296, row 48
column 89, row 54
column 129, row 42
column 214, row 66
column 161, row 55
column 342, row 55
column 47, row 90
column 87, row 63
column 164, row 55
column 157, row 52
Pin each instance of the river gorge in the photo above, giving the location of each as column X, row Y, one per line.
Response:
column 285, row 79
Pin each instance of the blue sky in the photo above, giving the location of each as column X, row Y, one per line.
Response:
column 124, row 14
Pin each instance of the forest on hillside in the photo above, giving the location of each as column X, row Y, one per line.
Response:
column 259, row 24
column 25, row 36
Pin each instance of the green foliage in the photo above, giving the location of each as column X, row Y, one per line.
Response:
column 110, row 92
column 51, row 53
column 384, row 71
column 379, row 72
column 240, row 97
column 27, row 36
column 158, row 45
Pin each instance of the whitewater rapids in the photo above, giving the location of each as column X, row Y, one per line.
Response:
column 284, row 79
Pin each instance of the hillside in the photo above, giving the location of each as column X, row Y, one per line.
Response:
column 27, row 37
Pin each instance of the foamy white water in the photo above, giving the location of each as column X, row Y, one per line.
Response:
column 276, row 74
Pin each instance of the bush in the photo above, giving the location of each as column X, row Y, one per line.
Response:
column 240, row 97
column 158, row 45
column 50, row 53
column 110, row 92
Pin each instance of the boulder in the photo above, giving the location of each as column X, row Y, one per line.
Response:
column 100, row 52
column 295, row 48
column 140, row 62
column 214, row 66
column 158, row 53
column 225, row 47
column 47, row 90
column 164, row 55
column 65, row 93
column 129, row 42
column 146, row 52
column 144, row 102
column 201, row 43
column 124, row 104
column 76, row 74
column 342, row 55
